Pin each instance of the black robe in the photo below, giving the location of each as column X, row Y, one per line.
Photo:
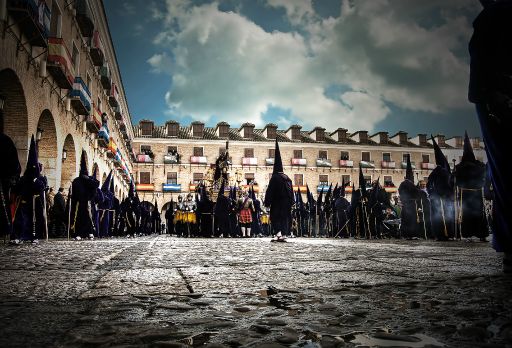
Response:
column 279, row 197
column 83, row 191
column 411, row 224
column 10, row 171
column 442, row 212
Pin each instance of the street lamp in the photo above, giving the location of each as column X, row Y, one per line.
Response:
column 2, row 102
column 64, row 155
column 454, row 160
column 238, row 177
column 39, row 134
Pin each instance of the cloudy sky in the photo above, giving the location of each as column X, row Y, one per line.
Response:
column 376, row 65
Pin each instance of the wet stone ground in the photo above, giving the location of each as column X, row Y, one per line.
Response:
column 166, row 292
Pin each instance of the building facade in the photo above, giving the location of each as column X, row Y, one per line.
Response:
column 315, row 158
column 58, row 74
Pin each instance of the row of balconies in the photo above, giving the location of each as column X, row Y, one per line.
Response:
column 177, row 188
column 302, row 162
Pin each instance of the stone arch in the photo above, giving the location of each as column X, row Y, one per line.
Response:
column 14, row 118
column 148, row 205
column 69, row 164
column 47, row 146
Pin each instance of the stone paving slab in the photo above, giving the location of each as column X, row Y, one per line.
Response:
column 160, row 291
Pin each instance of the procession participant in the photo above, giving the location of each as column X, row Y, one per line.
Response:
column 83, row 190
column 411, row 227
column 279, row 198
column 221, row 211
column 29, row 218
column 169, row 217
column 469, row 180
column 130, row 212
column 156, row 220
column 58, row 213
column 104, row 208
column 245, row 211
column 342, row 206
column 441, row 194
column 115, row 211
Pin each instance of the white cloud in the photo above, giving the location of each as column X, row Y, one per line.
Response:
column 226, row 65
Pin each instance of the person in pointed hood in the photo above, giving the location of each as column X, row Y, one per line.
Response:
column 490, row 90
column 9, row 175
column 169, row 217
column 83, row 192
column 341, row 208
column 279, row 197
column 410, row 196
column 469, row 180
column 95, row 204
column 221, row 212
column 156, row 220
column 29, row 214
column 104, row 208
column 256, row 214
column 440, row 191
column 115, row 211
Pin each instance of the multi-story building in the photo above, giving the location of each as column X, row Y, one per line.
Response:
column 58, row 74
column 315, row 157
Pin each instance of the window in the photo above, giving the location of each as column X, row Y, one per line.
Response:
column 405, row 156
column 249, row 177
column 344, row 156
column 271, row 153
column 145, row 177
column 365, row 156
column 75, row 58
column 297, row 153
column 224, row 131
column 197, row 130
column 145, row 149
column 146, row 128
column 367, row 178
column 248, row 152
column 345, row 179
column 172, row 149
column 172, row 129
column 248, row 132
column 295, row 133
column 172, row 178
column 388, row 180
column 55, row 21
column 198, row 151
column 323, row 180
column 386, row 157
column 425, row 158
column 197, row 178
column 320, row 135
column 271, row 132
column 297, row 179
column 322, row 154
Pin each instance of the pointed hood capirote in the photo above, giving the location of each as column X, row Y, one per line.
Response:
column 33, row 170
column 131, row 191
column 106, row 184
column 468, row 155
column 83, row 164
column 362, row 181
column 440, row 157
column 111, row 187
column 278, row 162
column 409, row 175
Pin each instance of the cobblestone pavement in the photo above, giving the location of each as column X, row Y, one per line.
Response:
column 166, row 292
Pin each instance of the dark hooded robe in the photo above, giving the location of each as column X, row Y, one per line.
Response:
column 359, row 209
column 95, row 203
column 410, row 197
column 469, row 180
column 104, row 209
column 156, row 220
column 441, row 194
column 114, row 212
column 59, row 218
column 83, row 192
column 341, row 208
column 279, row 197
column 9, row 176
column 130, row 213
column 169, row 218
column 29, row 220
column 221, row 212
column 490, row 88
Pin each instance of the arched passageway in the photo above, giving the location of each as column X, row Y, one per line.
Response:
column 47, row 146
column 14, row 117
column 69, row 163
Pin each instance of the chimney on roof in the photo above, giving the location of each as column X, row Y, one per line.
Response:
column 146, row 127
column 340, row 135
column 361, row 137
column 440, row 139
column 318, row 134
column 247, row 130
column 294, row 132
column 222, row 130
column 383, row 138
column 197, row 129
column 173, row 128
column 270, row 131
column 422, row 138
